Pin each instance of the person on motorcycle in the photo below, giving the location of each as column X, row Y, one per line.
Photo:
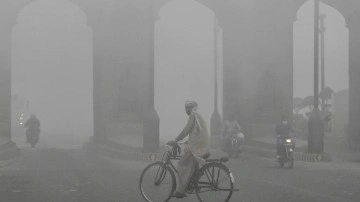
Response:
column 282, row 130
column 32, row 126
column 196, row 148
column 232, row 130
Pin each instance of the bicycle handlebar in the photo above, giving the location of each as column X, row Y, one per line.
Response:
column 175, row 149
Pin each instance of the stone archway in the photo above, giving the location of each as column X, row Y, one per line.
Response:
column 52, row 69
column 335, row 60
column 348, row 10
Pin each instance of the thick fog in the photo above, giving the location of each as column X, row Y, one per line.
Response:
column 52, row 70
column 109, row 79
column 185, row 63
column 52, row 66
column 336, row 50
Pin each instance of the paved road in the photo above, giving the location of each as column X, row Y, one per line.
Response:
column 54, row 175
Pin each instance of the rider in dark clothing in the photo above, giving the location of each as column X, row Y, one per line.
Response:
column 282, row 131
column 32, row 126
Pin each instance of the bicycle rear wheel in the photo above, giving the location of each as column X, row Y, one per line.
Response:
column 157, row 183
column 215, row 183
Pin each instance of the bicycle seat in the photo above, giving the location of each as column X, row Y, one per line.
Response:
column 222, row 159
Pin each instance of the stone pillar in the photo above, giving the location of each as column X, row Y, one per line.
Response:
column 111, row 65
column 123, row 35
column 5, row 79
column 104, row 53
column 98, row 91
column 234, row 100
column 276, row 53
column 354, row 80
column 284, row 66
column 151, row 122
column 272, row 49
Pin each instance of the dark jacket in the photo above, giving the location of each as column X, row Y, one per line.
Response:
column 32, row 123
column 284, row 129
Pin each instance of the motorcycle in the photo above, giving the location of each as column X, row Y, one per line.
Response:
column 32, row 136
column 287, row 146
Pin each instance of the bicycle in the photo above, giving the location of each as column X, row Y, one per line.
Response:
column 158, row 180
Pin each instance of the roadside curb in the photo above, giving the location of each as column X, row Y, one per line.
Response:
column 6, row 163
column 298, row 156
column 138, row 155
column 316, row 157
column 9, row 151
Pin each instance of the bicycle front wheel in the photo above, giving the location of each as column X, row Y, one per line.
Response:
column 215, row 183
column 157, row 182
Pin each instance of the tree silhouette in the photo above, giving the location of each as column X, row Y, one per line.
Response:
column 297, row 104
column 326, row 96
column 308, row 102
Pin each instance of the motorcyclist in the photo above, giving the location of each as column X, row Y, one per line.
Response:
column 283, row 131
column 232, row 130
column 32, row 126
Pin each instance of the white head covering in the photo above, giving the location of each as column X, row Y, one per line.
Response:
column 191, row 103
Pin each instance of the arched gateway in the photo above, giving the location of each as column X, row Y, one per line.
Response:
column 124, row 62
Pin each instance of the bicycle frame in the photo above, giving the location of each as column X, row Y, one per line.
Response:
column 167, row 161
column 207, row 179
column 167, row 157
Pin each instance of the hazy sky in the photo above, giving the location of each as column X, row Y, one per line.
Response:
column 336, row 50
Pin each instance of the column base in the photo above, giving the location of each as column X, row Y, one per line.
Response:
column 316, row 132
column 215, row 124
column 9, row 150
column 151, row 125
column 314, row 157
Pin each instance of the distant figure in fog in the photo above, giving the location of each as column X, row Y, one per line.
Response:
column 226, row 128
column 195, row 150
column 231, row 129
column 32, row 126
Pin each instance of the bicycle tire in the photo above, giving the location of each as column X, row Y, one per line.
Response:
column 162, row 172
column 203, row 185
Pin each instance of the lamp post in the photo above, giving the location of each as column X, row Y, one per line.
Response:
column 316, row 122
column 322, row 58
column 215, row 124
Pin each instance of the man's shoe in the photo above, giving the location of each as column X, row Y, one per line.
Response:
column 179, row 195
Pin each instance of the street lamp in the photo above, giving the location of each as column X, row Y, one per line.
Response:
column 316, row 122
column 322, row 56
column 216, row 123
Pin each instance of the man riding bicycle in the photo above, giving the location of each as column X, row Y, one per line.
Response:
column 197, row 147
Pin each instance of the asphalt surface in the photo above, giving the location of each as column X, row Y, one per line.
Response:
column 75, row 175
